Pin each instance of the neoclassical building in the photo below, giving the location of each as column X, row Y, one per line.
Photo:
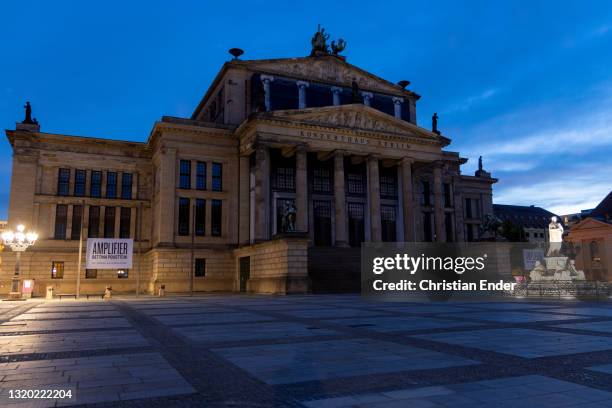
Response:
column 284, row 168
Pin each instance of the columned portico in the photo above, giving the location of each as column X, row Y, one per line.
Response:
column 340, row 199
column 374, row 199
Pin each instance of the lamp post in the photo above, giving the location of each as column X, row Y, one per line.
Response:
column 18, row 242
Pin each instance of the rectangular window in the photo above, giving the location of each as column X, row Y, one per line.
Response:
column 200, row 217
column 200, row 268
column 448, row 202
column 124, row 222
column 183, row 216
column 77, row 219
column 388, row 216
column 91, row 273
column 217, row 177
column 321, row 180
column 388, row 182
column 448, row 227
column 109, row 222
column 61, row 215
column 283, row 179
column 57, row 270
column 63, row 182
column 126, row 186
column 79, row 182
column 426, row 190
column 355, row 183
column 468, row 208
column 427, row 228
column 201, row 176
column 95, row 189
column 111, row 184
column 185, row 174
column 215, row 222
column 122, row 273
column 94, row 222
column 477, row 208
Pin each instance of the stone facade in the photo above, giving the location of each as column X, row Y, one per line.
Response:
column 204, row 194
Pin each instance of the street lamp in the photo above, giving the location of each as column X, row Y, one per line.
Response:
column 18, row 242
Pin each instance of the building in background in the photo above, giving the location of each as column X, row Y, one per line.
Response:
column 532, row 221
column 592, row 239
column 284, row 168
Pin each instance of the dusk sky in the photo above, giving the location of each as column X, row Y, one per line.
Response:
column 528, row 85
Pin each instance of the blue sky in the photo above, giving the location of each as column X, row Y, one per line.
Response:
column 526, row 84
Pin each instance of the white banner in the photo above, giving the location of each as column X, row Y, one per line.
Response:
column 109, row 253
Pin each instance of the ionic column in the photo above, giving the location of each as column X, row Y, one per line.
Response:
column 340, row 200
column 336, row 93
column 266, row 79
column 262, row 193
column 244, row 201
column 407, row 195
column 438, row 206
column 397, row 105
column 301, row 189
column 302, row 85
column 374, row 192
column 367, row 98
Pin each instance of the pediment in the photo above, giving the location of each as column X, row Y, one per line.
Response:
column 356, row 117
column 328, row 69
column 590, row 223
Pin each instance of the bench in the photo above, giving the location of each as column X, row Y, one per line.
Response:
column 101, row 296
column 61, row 295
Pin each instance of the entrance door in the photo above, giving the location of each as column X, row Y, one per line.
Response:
column 322, row 223
column 245, row 272
column 356, row 224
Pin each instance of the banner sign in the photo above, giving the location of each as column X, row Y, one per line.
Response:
column 109, row 253
column 530, row 256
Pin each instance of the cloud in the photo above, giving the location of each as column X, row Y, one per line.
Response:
column 471, row 101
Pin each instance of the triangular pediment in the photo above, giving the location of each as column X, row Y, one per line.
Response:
column 329, row 69
column 356, row 117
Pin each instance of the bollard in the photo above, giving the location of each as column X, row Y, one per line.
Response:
column 50, row 290
column 162, row 290
column 107, row 292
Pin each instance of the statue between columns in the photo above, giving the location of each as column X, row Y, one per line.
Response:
column 289, row 217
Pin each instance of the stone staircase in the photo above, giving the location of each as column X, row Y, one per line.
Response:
column 334, row 270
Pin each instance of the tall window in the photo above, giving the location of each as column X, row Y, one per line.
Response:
column 426, row 191
column 124, row 222
column 185, row 174
column 448, row 227
column 61, row 215
column 200, row 217
column 388, row 218
column 388, row 182
column 217, row 177
column 321, row 180
column 200, row 268
column 63, row 182
column 77, row 219
column 283, row 179
column 468, row 208
column 95, row 189
column 126, row 186
column 111, row 184
column 94, row 222
column 215, row 222
column 79, row 182
column 355, row 183
column 448, row 199
column 57, row 270
column 427, row 228
column 183, row 218
column 201, row 176
column 109, row 222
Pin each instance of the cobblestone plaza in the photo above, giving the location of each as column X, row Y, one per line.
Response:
column 307, row 351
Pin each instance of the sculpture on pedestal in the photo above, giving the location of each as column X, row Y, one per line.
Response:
column 434, row 123
column 28, row 115
column 555, row 237
column 288, row 220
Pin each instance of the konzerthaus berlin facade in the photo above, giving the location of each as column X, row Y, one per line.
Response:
column 205, row 198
